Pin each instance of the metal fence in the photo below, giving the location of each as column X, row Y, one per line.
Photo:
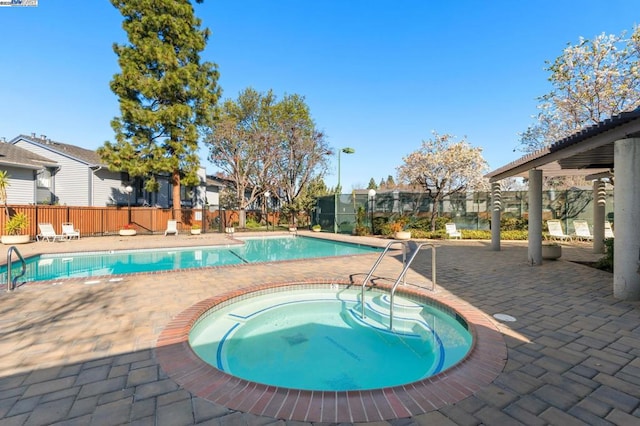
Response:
column 468, row 210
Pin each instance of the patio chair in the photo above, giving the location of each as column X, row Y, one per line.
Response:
column 69, row 232
column 452, row 232
column 582, row 231
column 608, row 231
column 47, row 232
column 172, row 227
column 555, row 231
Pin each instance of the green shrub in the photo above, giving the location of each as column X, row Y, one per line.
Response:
column 469, row 234
column 420, row 223
column 441, row 221
column 424, row 223
column 472, row 234
column 513, row 224
column 252, row 223
column 378, row 223
column 428, row 235
column 513, row 235
column 385, row 229
column 606, row 263
column 361, row 230
column 17, row 224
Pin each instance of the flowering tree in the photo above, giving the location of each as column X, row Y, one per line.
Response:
column 591, row 81
column 444, row 167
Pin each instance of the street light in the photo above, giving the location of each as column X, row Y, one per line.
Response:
column 346, row 150
column 266, row 205
column 128, row 189
column 372, row 196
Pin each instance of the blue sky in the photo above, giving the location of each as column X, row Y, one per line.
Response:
column 378, row 75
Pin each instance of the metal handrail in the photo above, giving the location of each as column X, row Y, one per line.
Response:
column 12, row 284
column 404, row 272
column 406, row 264
column 375, row 265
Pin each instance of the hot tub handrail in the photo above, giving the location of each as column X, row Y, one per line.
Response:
column 11, row 284
column 407, row 264
column 375, row 265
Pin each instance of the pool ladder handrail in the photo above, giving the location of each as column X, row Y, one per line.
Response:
column 402, row 277
column 11, row 284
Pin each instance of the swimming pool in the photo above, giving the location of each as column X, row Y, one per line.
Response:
column 259, row 249
column 316, row 339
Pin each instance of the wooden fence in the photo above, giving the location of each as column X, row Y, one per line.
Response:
column 95, row 221
column 108, row 220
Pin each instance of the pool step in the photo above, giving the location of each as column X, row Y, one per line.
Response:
column 407, row 316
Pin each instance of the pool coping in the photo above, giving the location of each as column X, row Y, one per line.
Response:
column 479, row 368
column 94, row 279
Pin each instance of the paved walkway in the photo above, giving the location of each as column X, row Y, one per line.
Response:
column 75, row 353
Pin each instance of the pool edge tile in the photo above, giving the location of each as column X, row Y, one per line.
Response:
column 478, row 369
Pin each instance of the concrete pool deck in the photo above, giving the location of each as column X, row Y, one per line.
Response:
column 84, row 354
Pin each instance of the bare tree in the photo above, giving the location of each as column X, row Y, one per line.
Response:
column 262, row 144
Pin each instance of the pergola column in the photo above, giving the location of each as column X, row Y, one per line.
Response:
column 626, row 262
column 496, row 204
column 599, row 203
column 535, row 217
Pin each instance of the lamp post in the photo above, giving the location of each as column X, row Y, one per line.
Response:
column 266, row 206
column 346, row 150
column 372, row 196
column 128, row 189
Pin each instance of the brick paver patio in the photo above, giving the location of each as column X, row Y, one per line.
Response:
column 77, row 353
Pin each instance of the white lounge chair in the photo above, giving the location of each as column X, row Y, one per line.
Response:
column 582, row 231
column 452, row 232
column 47, row 232
column 555, row 231
column 69, row 232
column 172, row 227
column 608, row 231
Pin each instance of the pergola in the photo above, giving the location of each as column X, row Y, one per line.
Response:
column 594, row 152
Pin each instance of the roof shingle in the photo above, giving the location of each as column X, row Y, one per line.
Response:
column 12, row 155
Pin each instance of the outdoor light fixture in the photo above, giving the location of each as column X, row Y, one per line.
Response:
column 346, row 150
column 267, row 194
column 372, row 196
column 128, row 189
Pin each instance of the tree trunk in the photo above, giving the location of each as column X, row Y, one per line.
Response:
column 434, row 212
column 175, row 184
column 242, row 218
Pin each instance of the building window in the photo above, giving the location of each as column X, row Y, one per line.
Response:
column 44, row 179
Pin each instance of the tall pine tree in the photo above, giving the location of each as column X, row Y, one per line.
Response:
column 165, row 93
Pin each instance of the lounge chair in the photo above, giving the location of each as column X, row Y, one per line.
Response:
column 582, row 231
column 172, row 227
column 452, row 232
column 608, row 231
column 69, row 232
column 555, row 231
column 48, row 233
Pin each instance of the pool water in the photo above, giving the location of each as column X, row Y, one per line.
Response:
column 317, row 340
column 264, row 249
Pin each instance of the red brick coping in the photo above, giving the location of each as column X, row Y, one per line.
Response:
column 480, row 367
